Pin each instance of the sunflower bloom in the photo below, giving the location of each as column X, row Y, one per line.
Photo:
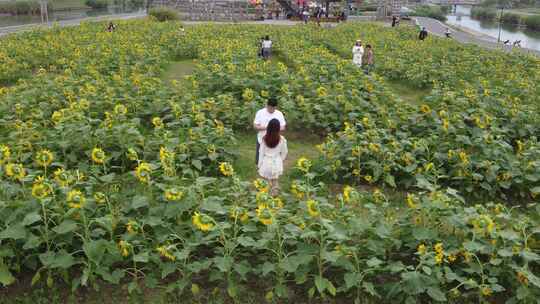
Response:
column 173, row 194
column 486, row 291
column 100, row 197
column 165, row 252
column 265, row 214
column 261, row 185
column 63, row 178
column 226, row 169
column 120, row 109
column 313, row 208
column 132, row 227
column 44, row 158
column 303, row 164
column 124, row 248
column 143, row 172
column 98, row 156
column 75, row 199
column 411, row 201
column 425, row 109
column 15, row 171
column 5, row 153
column 347, row 190
column 40, row 190
column 132, row 154
column 202, row 222
column 421, row 249
column 157, row 122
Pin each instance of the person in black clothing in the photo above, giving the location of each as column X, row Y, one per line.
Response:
column 394, row 20
column 111, row 27
column 423, row 34
column 260, row 54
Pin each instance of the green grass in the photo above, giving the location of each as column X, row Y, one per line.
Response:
column 407, row 92
column 298, row 143
column 526, row 11
column 178, row 70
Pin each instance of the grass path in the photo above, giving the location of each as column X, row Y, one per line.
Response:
column 299, row 144
column 407, row 92
column 178, row 70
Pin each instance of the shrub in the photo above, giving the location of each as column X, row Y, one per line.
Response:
column 532, row 22
column 20, row 7
column 510, row 18
column 484, row 13
column 164, row 14
column 429, row 11
column 97, row 3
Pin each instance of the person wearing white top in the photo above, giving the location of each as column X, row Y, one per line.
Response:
column 266, row 47
column 358, row 52
column 273, row 151
column 262, row 118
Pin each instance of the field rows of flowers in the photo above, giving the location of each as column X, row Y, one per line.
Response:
column 107, row 174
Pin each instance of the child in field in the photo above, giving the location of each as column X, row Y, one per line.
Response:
column 272, row 153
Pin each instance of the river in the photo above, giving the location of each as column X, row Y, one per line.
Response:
column 529, row 39
column 7, row 20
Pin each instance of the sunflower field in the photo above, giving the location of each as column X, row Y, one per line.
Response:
column 109, row 175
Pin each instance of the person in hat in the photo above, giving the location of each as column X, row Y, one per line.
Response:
column 358, row 52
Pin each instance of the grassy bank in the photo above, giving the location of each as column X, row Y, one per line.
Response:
column 515, row 17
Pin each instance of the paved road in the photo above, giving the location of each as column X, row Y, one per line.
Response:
column 17, row 28
column 438, row 28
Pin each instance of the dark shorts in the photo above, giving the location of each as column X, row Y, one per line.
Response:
column 266, row 52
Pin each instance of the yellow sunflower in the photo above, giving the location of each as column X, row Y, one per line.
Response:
column 120, row 109
column 313, row 208
column 75, row 199
column 226, row 169
column 157, row 122
column 100, row 197
column 44, row 158
column 40, row 190
column 124, row 248
column 143, row 172
column 202, row 222
column 173, row 194
column 265, row 214
column 15, row 171
column 5, row 153
column 303, row 164
column 98, row 156
column 63, row 178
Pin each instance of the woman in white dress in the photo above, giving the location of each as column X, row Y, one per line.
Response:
column 272, row 153
column 358, row 52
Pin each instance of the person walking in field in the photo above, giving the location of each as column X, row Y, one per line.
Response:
column 368, row 59
column 266, row 47
column 305, row 15
column 262, row 118
column 423, row 34
column 272, row 152
column 358, row 53
column 447, row 33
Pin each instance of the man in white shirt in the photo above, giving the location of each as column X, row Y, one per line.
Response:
column 266, row 47
column 262, row 118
